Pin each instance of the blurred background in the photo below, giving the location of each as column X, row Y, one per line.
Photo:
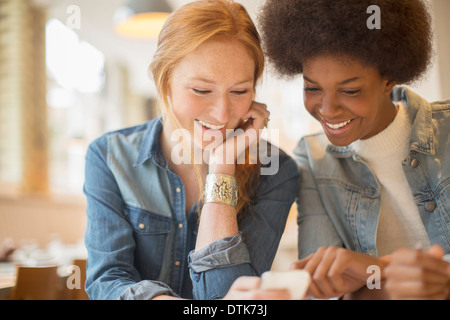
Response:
column 71, row 70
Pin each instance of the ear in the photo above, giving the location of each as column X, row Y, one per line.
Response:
column 388, row 86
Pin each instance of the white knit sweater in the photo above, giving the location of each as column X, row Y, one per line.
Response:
column 399, row 222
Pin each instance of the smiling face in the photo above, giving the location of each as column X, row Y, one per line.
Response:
column 351, row 100
column 212, row 88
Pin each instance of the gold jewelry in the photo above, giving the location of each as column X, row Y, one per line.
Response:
column 221, row 188
column 266, row 122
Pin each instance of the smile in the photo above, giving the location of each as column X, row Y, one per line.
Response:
column 338, row 125
column 211, row 126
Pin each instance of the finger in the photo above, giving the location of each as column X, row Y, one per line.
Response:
column 271, row 294
column 436, row 251
column 257, row 113
column 321, row 274
column 300, row 264
column 248, row 288
column 337, row 280
column 311, row 267
column 414, row 289
column 413, row 273
column 246, row 283
column 429, row 261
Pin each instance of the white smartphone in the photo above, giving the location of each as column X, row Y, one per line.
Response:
column 296, row 281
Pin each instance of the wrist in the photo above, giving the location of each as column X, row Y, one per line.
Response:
column 228, row 169
column 221, row 188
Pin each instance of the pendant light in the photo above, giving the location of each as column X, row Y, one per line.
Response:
column 141, row 19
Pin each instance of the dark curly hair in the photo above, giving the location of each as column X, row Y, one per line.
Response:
column 295, row 30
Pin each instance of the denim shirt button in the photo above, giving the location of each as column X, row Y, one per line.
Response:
column 178, row 190
column 177, row 263
column 414, row 163
column 141, row 226
column 430, row 206
column 180, row 226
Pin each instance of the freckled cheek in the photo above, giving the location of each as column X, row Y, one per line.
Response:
column 243, row 106
column 188, row 107
column 238, row 111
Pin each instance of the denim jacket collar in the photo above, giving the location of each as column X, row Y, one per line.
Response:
column 151, row 144
column 419, row 110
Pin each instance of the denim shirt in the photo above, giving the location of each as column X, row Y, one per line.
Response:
column 139, row 236
column 339, row 197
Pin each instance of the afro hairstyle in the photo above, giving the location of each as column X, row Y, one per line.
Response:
column 296, row 30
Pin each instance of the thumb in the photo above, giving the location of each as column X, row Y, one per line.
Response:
column 436, row 251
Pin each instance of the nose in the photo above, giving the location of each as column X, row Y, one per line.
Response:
column 221, row 109
column 329, row 107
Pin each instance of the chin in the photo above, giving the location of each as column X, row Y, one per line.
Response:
column 340, row 142
column 204, row 145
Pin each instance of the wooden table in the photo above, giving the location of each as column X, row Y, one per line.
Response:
column 7, row 279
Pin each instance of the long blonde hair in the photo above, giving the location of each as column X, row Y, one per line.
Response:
column 185, row 30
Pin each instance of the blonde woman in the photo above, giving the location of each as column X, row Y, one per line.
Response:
column 159, row 215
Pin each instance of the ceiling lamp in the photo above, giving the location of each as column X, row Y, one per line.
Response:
column 141, row 19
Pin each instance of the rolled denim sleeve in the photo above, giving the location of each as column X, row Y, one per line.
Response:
column 251, row 252
column 215, row 267
column 146, row 290
column 227, row 251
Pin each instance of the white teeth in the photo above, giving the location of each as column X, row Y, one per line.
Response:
column 210, row 126
column 338, row 126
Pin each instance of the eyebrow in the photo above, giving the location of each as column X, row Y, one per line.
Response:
column 213, row 82
column 341, row 83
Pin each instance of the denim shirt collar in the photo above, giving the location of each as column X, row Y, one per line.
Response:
column 151, row 144
column 419, row 110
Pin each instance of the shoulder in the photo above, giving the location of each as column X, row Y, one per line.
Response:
column 276, row 162
column 311, row 145
column 126, row 140
column 440, row 114
column 441, row 109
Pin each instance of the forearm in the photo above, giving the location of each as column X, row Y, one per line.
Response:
column 217, row 221
column 218, row 218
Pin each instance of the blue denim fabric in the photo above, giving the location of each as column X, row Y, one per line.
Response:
column 339, row 197
column 139, row 236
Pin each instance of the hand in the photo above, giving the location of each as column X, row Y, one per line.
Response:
column 248, row 288
column 415, row 274
column 223, row 157
column 337, row 271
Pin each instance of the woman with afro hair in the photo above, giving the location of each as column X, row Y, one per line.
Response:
column 374, row 195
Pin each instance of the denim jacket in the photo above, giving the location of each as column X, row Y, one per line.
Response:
column 339, row 197
column 140, row 240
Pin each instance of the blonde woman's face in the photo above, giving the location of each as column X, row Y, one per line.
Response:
column 212, row 88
